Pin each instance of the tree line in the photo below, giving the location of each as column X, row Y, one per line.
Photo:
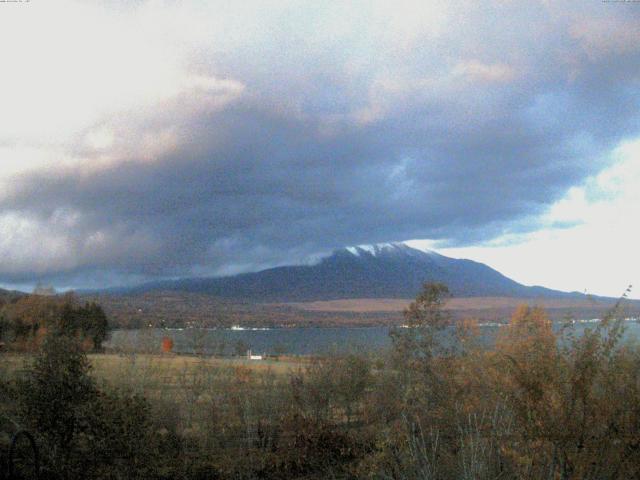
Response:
column 26, row 321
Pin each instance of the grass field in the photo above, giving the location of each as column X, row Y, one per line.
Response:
column 151, row 372
column 463, row 303
column 482, row 308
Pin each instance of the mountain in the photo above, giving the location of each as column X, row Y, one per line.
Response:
column 8, row 295
column 382, row 271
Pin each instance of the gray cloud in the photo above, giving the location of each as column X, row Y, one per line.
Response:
column 342, row 139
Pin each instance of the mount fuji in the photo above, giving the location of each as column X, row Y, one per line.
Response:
column 392, row 270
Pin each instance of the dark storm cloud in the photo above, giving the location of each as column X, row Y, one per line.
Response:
column 465, row 137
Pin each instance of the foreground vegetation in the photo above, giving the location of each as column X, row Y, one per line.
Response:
column 533, row 407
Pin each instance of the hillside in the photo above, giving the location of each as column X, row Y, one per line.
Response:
column 9, row 295
column 382, row 271
column 183, row 309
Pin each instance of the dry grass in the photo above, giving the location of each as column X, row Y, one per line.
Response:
column 364, row 305
column 105, row 364
column 159, row 370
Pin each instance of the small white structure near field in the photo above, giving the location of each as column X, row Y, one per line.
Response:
column 250, row 356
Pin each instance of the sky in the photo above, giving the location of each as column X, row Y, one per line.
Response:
column 159, row 139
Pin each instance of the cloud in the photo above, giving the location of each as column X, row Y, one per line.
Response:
column 178, row 138
column 595, row 250
column 480, row 72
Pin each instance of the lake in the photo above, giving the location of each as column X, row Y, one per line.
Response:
column 293, row 341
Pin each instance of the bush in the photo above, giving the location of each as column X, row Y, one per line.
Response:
column 83, row 432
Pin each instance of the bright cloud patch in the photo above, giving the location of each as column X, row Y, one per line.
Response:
column 597, row 254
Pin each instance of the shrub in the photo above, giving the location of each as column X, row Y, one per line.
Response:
column 83, row 432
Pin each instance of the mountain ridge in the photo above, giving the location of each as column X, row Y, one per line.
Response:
column 392, row 270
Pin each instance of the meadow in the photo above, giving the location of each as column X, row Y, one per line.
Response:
column 159, row 371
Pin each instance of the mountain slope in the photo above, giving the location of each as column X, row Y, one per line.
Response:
column 10, row 295
column 383, row 271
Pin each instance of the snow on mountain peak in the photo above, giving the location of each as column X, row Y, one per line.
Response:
column 378, row 248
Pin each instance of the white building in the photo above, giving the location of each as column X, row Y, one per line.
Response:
column 250, row 356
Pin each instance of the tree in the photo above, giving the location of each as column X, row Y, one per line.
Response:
column 420, row 385
column 352, row 376
column 423, row 318
column 83, row 431
column 94, row 323
column 55, row 398
column 427, row 310
column 32, row 317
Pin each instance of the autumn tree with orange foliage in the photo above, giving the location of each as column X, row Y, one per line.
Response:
column 564, row 393
column 167, row 344
column 529, row 376
column 540, row 405
column 530, row 351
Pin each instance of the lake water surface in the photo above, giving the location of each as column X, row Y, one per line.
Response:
column 295, row 341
